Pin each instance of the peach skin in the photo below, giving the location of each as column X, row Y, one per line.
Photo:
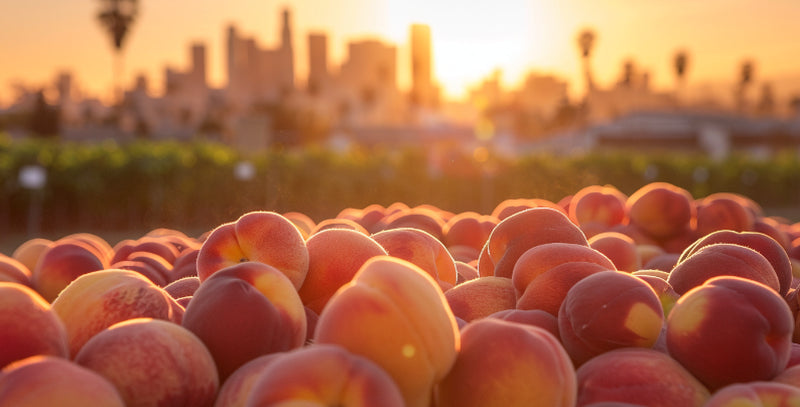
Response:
column 394, row 314
column 328, row 269
column 758, row 393
column 97, row 300
column 638, row 376
column 481, row 297
column 28, row 325
column 661, row 210
column 606, row 311
column 420, row 248
column 603, row 204
column 619, row 248
column 66, row 260
column 13, row 271
column 54, row 381
column 153, row 362
column 508, row 364
column 523, row 230
column 245, row 311
column 264, row 237
column 730, row 330
column 29, row 251
column 324, row 375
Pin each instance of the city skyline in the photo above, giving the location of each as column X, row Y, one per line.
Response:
column 469, row 41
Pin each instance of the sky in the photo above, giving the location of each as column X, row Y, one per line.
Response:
column 471, row 39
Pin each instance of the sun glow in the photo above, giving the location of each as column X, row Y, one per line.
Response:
column 470, row 40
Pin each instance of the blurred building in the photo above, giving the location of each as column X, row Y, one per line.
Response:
column 318, row 81
column 423, row 91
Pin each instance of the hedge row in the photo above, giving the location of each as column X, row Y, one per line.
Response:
column 192, row 186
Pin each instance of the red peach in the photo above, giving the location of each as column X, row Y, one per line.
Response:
column 481, row 297
column 13, row 271
column 265, row 237
column 303, row 222
column 469, row 229
column 661, row 210
column 324, row 375
column 619, row 248
column 29, row 252
column 729, row 330
column 758, row 393
column 420, row 248
column 608, row 310
column 533, row 317
column 244, row 311
column 638, row 376
column 547, row 291
column 183, row 287
column 28, row 325
column 719, row 212
column 66, row 260
column 338, row 224
column 601, row 204
column 153, row 362
column 465, row 272
column 97, row 300
column 508, row 364
column 238, row 386
column 55, row 381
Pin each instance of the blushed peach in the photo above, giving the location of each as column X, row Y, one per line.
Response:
column 55, row 381
column 730, row 330
column 183, row 287
column 13, row 271
column 66, row 260
column 29, row 252
column 336, row 223
column 548, row 290
column 97, row 300
column 603, row 204
column 661, row 210
column 720, row 212
column 420, row 248
column 638, row 376
column 508, row 364
column 303, row 222
column 534, row 317
column 481, row 297
column 28, row 325
column 619, row 248
column 758, row 393
column 245, row 311
column 720, row 259
column 324, row 375
column 236, row 389
column 265, row 237
column 606, row 311
column 469, row 229
column 328, row 268
column 394, row 313
column 517, row 233
column 153, row 362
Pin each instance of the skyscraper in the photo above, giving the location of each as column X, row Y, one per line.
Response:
column 317, row 63
column 422, row 90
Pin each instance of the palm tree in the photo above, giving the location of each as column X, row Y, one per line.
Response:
column 681, row 63
column 746, row 73
column 116, row 16
column 586, row 40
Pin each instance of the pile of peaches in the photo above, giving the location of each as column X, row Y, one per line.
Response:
column 601, row 299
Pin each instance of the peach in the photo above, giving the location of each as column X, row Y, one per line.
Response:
column 541, row 258
column 265, row 237
column 648, row 252
column 517, row 233
column 600, row 204
column 324, row 375
column 619, row 248
column 54, row 381
column 97, row 300
column 13, row 271
column 513, row 205
column 303, row 222
column 328, row 269
column 791, row 375
column 183, row 287
column 245, row 311
column 638, row 376
column 661, row 210
column 148, row 244
column 335, row 223
column 153, row 362
column 665, row 293
column 729, row 330
column 369, row 217
column 28, row 325
column 418, row 218
column 465, row 272
column 768, row 247
column 237, row 387
column 759, row 393
column 664, row 262
column 66, row 260
column 722, row 259
column 185, row 265
column 103, row 250
column 533, row 317
column 464, row 254
column 394, row 314
column 480, row 297
column 548, row 290
column 721, row 212
column 608, row 310
column 29, row 252
column 469, row 229
column 508, row 364
column 774, row 229
column 420, row 248
column 143, row 268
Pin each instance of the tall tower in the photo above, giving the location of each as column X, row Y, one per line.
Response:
column 199, row 64
column 317, row 63
column 287, row 52
column 421, row 85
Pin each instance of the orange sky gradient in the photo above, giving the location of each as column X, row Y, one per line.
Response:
column 38, row 38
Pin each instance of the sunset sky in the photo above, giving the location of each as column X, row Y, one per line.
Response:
column 471, row 38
